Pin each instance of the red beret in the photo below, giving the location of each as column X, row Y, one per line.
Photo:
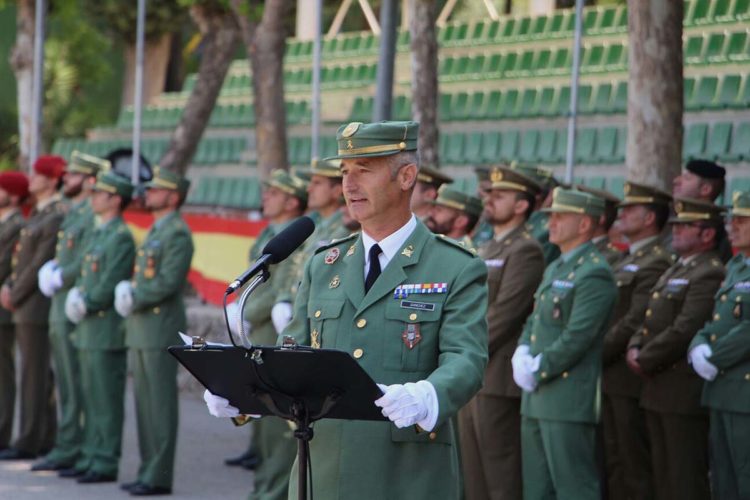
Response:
column 50, row 166
column 15, row 183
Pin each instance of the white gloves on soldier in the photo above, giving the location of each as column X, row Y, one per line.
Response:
column 409, row 404
column 698, row 357
column 124, row 298
column 49, row 278
column 75, row 306
column 219, row 407
column 524, row 366
column 281, row 316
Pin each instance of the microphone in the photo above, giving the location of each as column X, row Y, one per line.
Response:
column 277, row 249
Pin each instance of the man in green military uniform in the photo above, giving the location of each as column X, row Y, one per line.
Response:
column 454, row 214
column 538, row 223
column 490, row 425
column 151, row 302
column 720, row 354
column 429, row 181
column 100, row 334
column 604, row 224
column 680, row 303
column 361, row 295
column 20, row 294
column 14, row 188
column 558, row 359
column 643, row 214
column 56, row 278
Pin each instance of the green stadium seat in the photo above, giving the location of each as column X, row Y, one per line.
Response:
column 525, row 106
column 493, row 67
column 694, row 143
column 739, row 150
column 477, row 33
column 585, row 144
column 505, row 30
column 693, row 49
column 715, row 48
column 473, row 148
column 546, row 103
column 600, row 103
column 523, row 65
column 560, row 63
column 606, row 145
column 538, row 27
column 592, row 59
column 492, row 32
column 546, row 146
column 743, row 98
column 616, row 186
column 619, row 103
column 460, row 105
column 362, row 109
column 622, row 145
column 741, row 10
column 454, row 149
column 718, row 144
column 521, row 28
column 508, row 63
column 490, row 147
column 738, row 47
column 719, row 11
column 704, row 93
column 401, row 108
column 696, row 12
column 508, row 150
column 590, row 19
column 474, row 110
column 688, row 86
column 613, row 20
column 445, row 109
column 561, row 145
column 562, row 102
column 529, row 143
column 507, row 105
column 402, row 43
column 493, row 108
column 615, row 58
column 585, row 99
column 727, row 93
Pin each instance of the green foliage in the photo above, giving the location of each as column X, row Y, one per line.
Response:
column 162, row 16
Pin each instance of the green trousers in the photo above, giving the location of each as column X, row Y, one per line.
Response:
column 156, row 408
column 68, row 382
column 730, row 455
column 559, row 460
column 7, row 383
column 277, row 449
column 103, row 388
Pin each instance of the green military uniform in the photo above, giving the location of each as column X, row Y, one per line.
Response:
column 74, row 232
column 626, row 448
column 377, row 460
column 100, row 336
column 10, row 227
column 161, row 267
column 727, row 396
column 603, row 245
column 571, row 313
column 680, row 303
column 35, row 246
column 490, row 425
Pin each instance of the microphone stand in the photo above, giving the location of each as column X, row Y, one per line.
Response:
column 254, row 283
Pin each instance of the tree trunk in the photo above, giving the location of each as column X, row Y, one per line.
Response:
column 155, row 62
column 654, row 152
column 22, row 62
column 265, row 43
column 221, row 36
column 424, row 81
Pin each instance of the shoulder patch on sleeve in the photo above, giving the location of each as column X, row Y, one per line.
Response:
column 456, row 244
column 336, row 242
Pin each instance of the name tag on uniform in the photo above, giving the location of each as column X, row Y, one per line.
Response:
column 562, row 284
column 742, row 286
column 403, row 291
column 421, row 306
column 631, row 268
column 495, row 262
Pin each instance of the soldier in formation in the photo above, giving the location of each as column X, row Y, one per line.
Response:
column 454, row 214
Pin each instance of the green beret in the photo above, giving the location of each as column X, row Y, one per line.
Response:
column 513, row 180
column 741, row 204
column 82, row 163
column 113, row 183
column 167, row 179
column 453, row 198
column 290, row 184
column 691, row 210
column 364, row 140
column 641, row 194
column 576, row 202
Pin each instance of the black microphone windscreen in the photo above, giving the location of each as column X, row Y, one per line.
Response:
column 288, row 240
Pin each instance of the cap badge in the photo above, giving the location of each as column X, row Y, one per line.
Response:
column 351, row 129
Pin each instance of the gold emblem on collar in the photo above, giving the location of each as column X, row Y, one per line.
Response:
column 335, row 282
column 408, row 251
column 351, row 129
column 351, row 250
column 626, row 189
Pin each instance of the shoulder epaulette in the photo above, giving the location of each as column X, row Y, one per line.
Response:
column 456, row 244
column 336, row 242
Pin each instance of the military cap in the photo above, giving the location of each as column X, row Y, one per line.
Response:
column 113, row 183
column 326, row 168
column 82, row 163
column 385, row 138
column 453, row 198
column 610, row 200
column 575, row 201
column 542, row 175
column 14, row 183
column 513, row 180
column 741, row 204
column 641, row 194
column 483, row 173
column 706, row 169
column 433, row 177
column 304, row 174
column 691, row 210
column 167, row 179
column 50, row 166
column 290, row 184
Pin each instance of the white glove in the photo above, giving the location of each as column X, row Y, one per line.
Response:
column 75, row 306
column 281, row 316
column 43, row 278
column 233, row 313
column 55, row 279
column 409, row 404
column 698, row 358
column 124, row 298
column 524, row 368
column 219, row 407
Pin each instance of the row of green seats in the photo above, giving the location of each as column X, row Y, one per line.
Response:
column 723, row 141
column 333, row 77
column 703, row 12
column 731, row 91
column 299, row 149
column 363, row 109
column 717, row 48
column 233, row 192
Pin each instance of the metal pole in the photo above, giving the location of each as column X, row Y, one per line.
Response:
column 384, row 82
column 38, row 82
column 573, row 114
column 317, row 49
column 138, row 94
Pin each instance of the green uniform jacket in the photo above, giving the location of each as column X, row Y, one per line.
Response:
column 728, row 334
column 635, row 275
column 538, row 228
column 515, row 266
column 571, row 314
column 483, row 233
column 108, row 259
column 610, row 252
column 35, row 246
column 681, row 302
column 161, row 268
column 376, row 460
column 74, row 233
column 10, row 229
